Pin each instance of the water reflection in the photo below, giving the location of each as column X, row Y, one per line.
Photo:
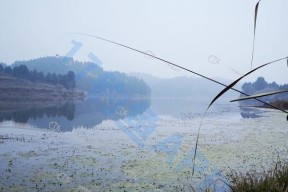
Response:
column 250, row 112
column 66, row 110
column 88, row 113
column 94, row 110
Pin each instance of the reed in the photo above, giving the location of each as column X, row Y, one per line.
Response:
column 238, row 181
column 273, row 180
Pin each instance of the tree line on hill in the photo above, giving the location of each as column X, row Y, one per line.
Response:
column 21, row 71
column 91, row 77
column 261, row 86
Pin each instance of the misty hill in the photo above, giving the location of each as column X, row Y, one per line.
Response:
column 22, row 72
column 90, row 77
column 185, row 87
column 17, row 93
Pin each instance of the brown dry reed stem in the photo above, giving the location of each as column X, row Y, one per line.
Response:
column 259, row 95
column 178, row 66
column 273, row 180
column 254, row 35
column 227, row 87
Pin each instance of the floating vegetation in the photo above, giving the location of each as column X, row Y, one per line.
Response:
column 274, row 179
column 28, row 154
column 11, row 138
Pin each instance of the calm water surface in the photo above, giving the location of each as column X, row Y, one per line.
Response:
column 115, row 144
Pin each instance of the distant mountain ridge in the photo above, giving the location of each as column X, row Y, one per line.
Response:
column 91, row 77
column 21, row 71
column 185, row 87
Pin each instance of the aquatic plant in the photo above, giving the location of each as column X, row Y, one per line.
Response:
column 275, row 179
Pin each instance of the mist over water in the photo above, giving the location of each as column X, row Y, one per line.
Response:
column 118, row 96
column 132, row 143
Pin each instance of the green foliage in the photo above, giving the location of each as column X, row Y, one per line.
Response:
column 87, row 76
column 21, row 71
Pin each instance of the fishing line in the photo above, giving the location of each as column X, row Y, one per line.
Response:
column 198, row 74
column 170, row 63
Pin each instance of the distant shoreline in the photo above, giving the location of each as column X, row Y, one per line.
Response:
column 21, row 92
column 279, row 104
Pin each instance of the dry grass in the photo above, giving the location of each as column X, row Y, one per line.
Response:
column 273, row 180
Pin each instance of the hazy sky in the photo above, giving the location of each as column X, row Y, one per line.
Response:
column 190, row 33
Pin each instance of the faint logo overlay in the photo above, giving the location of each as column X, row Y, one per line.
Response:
column 69, row 55
column 149, row 54
column 95, row 59
column 54, row 126
column 63, row 178
column 213, row 59
column 121, row 111
column 132, row 175
column 76, row 46
column 140, row 127
column 235, row 71
column 73, row 152
column 84, row 189
column 173, row 67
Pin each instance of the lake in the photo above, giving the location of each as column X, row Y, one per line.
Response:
column 129, row 144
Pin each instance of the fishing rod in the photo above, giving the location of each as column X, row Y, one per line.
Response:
column 227, row 87
column 170, row 63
